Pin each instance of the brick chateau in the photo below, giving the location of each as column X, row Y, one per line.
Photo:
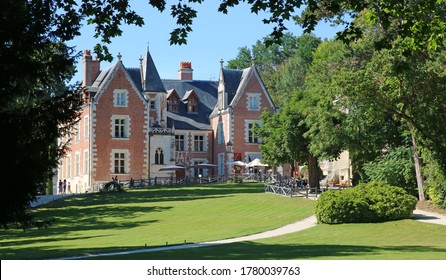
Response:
column 134, row 122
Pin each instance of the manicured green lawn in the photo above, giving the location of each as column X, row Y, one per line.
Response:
column 99, row 223
column 399, row 240
column 96, row 223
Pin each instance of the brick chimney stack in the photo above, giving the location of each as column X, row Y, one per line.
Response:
column 185, row 72
column 91, row 68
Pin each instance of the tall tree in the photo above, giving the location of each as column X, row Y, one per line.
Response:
column 267, row 56
column 283, row 139
column 395, row 82
column 336, row 121
column 290, row 75
column 37, row 107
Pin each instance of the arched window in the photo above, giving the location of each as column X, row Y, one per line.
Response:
column 159, row 156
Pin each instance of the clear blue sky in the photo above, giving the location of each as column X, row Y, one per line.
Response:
column 215, row 36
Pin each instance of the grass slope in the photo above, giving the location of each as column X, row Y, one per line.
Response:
column 96, row 223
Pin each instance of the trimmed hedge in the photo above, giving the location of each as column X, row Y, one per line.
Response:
column 365, row 203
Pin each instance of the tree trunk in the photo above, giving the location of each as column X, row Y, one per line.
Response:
column 417, row 164
column 313, row 173
column 292, row 169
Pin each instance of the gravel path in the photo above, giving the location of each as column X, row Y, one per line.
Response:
column 41, row 199
column 429, row 217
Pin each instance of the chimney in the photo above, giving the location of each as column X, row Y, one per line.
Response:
column 91, row 68
column 185, row 72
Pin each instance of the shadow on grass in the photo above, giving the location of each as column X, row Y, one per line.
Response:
column 258, row 251
column 92, row 211
column 159, row 194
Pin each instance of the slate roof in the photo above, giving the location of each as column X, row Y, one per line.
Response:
column 207, row 98
column 207, row 91
column 135, row 75
column 152, row 81
column 102, row 78
column 232, row 79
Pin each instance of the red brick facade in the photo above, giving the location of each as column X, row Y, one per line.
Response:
column 128, row 130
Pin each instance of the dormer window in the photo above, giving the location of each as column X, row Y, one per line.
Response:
column 191, row 100
column 192, row 105
column 172, row 104
column 173, row 101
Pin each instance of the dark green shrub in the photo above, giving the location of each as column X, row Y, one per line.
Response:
column 113, row 186
column 365, row 203
column 395, row 168
column 435, row 183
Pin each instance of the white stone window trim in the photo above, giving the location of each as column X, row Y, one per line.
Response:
column 86, row 161
column 127, row 126
column 120, row 98
column 247, row 123
column 205, row 143
column 249, row 101
column 77, row 131
column 126, row 153
column 68, row 167
column 77, row 164
column 86, row 127
column 184, row 140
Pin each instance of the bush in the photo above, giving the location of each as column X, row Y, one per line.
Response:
column 395, row 168
column 435, row 184
column 113, row 186
column 365, row 203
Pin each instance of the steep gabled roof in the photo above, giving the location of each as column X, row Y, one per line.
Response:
column 105, row 77
column 172, row 93
column 235, row 82
column 189, row 94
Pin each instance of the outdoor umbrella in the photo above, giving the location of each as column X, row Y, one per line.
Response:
column 256, row 163
column 171, row 168
column 204, row 165
column 237, row 163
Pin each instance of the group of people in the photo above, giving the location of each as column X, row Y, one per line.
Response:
column 64, row 188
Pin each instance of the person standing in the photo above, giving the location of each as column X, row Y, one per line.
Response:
column 64, row 186
column 69, row 187
column 60, row 190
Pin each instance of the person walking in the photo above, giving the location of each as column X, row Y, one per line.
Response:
column 64, row 186
column 69, row 187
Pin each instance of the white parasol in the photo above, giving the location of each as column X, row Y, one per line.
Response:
column 237, row 163
column 256, row 163
column 171, row 167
